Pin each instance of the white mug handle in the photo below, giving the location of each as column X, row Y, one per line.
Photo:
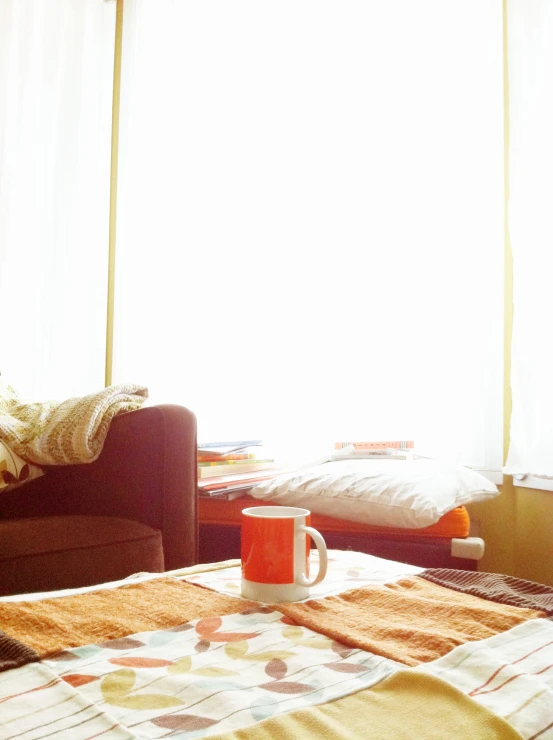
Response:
column 301, row 579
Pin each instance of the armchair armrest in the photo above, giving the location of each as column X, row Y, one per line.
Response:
column 147, row 471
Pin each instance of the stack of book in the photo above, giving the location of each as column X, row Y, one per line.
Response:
column 230, row 469
column 394, row 450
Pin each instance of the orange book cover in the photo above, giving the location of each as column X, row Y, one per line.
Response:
column 226, row 458
column 396, row 445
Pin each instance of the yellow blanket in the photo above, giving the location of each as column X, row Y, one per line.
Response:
column 406, row 706
column 63, row 432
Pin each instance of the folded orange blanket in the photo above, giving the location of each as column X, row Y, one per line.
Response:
column 455, row 523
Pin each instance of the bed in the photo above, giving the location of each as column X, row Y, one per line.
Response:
column 381, row 649
column 411, row 511
column 445, row 544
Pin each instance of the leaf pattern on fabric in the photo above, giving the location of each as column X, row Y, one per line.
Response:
column 78, row 679
column 235, row 669
column 208, row 625
column 116, row 688
column 118, row 683
column 182, row 665
column 294, row 633
column 263, row 708
column 179, row 628
column 184, row 722
column 162, row 638
column 239, row 651
column 86, row 651
column 297, row 635
column 346, row 667
column 276, row 668
column 8, row 477
column 236, row 650
column 145, row 701
column 342, row 650
column 14, row 470
column 141, row 662
column 122, row 643
column 207, row 629
column 63, row 655
column 256, row 610
column 214, row 672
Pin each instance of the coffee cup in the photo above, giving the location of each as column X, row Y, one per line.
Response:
column 275, row 547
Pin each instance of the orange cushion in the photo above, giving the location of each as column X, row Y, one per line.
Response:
column 455, row 523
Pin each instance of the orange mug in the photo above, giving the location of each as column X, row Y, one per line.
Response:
column 275, row 554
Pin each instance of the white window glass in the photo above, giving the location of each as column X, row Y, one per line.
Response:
column 56, row 73
column 530, row 58
column 310, row 227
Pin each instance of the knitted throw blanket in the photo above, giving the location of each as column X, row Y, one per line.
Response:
column 64, row 432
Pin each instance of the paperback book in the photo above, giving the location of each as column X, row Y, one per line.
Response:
column 226, row 448
column 349, row 453
column 233, row 467
column 224, row 481
column 230, row 492
column 205, row 458
column 395, row 445
column 226, row 494
column 223, row 463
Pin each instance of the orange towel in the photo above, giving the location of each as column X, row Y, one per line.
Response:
column 50, row 625
column 412, row 621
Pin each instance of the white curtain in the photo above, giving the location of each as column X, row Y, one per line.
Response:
column 310, row 219
column 56, row 72
column 530, row 59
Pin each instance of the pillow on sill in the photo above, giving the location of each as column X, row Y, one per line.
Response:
column 390, row 493
column 14, row 470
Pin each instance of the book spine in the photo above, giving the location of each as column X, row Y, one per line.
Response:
column 225, row 458
column 235, row 489
column 219, row 470
column 243, row 461
column 396, row 445
column 224, row 481
column 239, row 443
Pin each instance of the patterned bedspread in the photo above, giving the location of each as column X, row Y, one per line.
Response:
column 380, row 650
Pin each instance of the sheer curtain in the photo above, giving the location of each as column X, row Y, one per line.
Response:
column 310, row 219
column 530, row 58
column 56, row 70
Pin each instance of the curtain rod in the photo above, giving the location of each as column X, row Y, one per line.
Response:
column 116, row 100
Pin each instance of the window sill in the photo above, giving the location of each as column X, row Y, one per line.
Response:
column 531, row 481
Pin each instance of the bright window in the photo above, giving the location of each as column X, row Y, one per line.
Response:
column 310, row 226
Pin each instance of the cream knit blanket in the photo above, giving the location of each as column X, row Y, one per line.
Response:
column 64, row 432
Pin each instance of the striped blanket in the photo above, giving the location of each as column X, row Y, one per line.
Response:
column 380, row 650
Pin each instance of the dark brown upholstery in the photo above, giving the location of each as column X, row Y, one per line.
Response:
column 131, row 510
column 69, row 551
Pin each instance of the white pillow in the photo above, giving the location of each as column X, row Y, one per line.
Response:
column 390, row 493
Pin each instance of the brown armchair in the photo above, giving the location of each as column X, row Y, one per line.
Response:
column 133, row 509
